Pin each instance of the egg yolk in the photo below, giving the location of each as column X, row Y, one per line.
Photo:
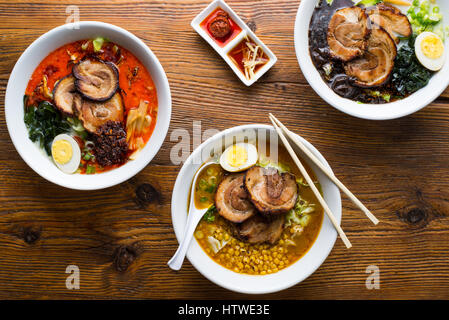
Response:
column 237, row 156
column 62, row 151
column 432, row 47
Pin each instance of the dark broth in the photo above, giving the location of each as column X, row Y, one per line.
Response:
column 337, row 79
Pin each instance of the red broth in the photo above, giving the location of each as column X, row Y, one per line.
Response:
column 235, row 29
column 134, row 80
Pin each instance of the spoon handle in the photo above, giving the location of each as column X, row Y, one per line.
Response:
column 176, row 261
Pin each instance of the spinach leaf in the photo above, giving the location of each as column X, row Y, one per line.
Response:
column 408, row 74
column 44, row 123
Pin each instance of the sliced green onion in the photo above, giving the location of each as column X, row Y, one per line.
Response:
column 88, row 156
column 90, row 169
column 98, row 43
column 386, row 97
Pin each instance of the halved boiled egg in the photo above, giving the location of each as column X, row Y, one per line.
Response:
column 429, row 49
column 239, row 157
column 66, row 153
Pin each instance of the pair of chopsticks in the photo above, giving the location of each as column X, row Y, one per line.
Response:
column 281, row 129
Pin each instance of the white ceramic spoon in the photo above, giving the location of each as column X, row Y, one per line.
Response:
column 193, row 218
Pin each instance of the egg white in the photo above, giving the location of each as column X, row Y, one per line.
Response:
column 251, row 152
column 431, row 64
column 74, row 162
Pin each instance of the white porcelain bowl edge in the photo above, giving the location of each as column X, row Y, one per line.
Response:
column 248, row 283
column 22, row 72
column 438, row 83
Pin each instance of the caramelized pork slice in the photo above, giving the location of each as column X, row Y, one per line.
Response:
column 259, row 229
column 347, row 33
column 231, row 199
column 271, row 192
column 391, row 19
column 63, row 95
column 373, row 69
column 94, row 114
column 96, row 80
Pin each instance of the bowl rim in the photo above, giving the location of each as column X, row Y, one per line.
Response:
column 108, row 178
column 387, row 111
column 241, row 288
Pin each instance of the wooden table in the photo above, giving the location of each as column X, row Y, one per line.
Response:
column 121, row 238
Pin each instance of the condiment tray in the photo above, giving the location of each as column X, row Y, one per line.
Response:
column 227, row 46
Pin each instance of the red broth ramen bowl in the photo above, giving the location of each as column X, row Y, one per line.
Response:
column 28, row 62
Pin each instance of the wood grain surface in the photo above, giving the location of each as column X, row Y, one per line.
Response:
column 121, row 238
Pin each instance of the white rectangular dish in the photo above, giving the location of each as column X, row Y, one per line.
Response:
column 227, row 46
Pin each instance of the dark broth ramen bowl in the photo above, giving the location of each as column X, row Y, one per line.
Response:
column 400, row 108
column 239, row 282
column 22, row 72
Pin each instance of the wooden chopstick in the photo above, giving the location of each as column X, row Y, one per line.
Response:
column 312, row 185
column 329, row 174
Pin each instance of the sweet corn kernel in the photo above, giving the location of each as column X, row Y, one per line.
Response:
column 244, row 257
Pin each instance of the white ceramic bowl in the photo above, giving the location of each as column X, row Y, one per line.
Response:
column 393, row 110
column 252, row 284
column 21, row 74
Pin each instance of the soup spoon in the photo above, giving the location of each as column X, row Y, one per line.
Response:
column 193, row 218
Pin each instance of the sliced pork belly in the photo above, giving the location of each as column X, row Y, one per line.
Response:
column 391, row 19
column 96, row 80
column 231, row 199
column 259, row 229
column 347, row 33
column 373, row 69
column 271, row 193
column 94, row 114
column 63, row 94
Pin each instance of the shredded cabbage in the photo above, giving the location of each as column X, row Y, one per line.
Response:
column 215, row 244
column 77, row 127
column 299, row 215
column 85, row 45
column 265, row 162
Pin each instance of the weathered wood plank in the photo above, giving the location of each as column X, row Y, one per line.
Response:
column 43, row 229
column 121, row 242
